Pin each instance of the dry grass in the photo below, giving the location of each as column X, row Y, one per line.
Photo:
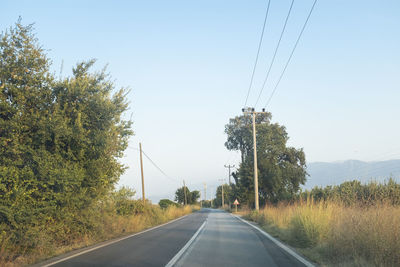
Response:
column 334, row 234
column 112, row 226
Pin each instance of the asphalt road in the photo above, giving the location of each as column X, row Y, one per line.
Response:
column 205, row 238
column 226, row 241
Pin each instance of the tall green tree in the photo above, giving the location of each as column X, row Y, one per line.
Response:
column 281, row 169
column 60, row 140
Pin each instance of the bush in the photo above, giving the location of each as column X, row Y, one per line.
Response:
column 165, row 203
column 354, row 192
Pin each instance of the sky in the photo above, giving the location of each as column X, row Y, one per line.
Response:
column 188, row 66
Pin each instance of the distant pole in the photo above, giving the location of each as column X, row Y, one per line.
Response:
column 222, row 192
column 229, row 177
column 222, row 187
column 201, row 202
column 229, row 171
column 184, row 192
column 253, row 113
column 205, row 192
column 141, row 169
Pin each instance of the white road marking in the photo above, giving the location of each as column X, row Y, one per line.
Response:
column 279, row 244
column 111, row 242
column 174, row 260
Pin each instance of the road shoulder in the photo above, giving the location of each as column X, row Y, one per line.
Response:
column 285, row 248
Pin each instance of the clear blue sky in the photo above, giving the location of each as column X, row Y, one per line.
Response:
column 189, row 63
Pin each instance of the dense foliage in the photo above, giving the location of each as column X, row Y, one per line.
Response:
column 281, row 169
column 354, row 192
column 191, row 196
column 60, row 141
column 165, row 203
column 229, row 196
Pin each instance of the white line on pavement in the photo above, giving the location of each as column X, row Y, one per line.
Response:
column 110, row 242
column 174, row 260
column 279, row 244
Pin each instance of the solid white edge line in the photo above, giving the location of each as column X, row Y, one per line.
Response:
column 279, row 244
column 110, row 242
column 175, row 259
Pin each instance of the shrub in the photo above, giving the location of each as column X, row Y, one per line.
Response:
column 165, row 203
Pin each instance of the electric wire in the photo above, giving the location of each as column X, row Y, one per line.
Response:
column 291, row 54
column 258, row 52
column 156, row 166
column 275, row 53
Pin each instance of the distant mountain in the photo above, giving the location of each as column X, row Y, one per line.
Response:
column 334, row 173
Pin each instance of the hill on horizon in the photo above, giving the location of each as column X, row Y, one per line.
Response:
column 335, row 173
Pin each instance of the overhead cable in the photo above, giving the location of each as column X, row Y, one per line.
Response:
column 275, row 53
column 258, row 52
column 291, row 54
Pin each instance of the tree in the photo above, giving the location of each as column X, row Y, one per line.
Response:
column 191, row 197
column 194, row 196
column 228, row 195
column 165, row 203
column 281, row 168
column 60, row 140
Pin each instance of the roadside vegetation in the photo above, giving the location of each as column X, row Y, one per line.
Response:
column 116, row 215
column 352, row 224
column 60, row 143
column 348, row 225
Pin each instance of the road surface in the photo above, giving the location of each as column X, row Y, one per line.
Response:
column 205, row 238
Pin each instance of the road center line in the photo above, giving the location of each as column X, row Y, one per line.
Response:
column 109, row 243
column 174, row 260
column 279, row 244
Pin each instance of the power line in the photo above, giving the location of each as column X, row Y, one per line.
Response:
column 258, row 52
column 291, row 54
column 276, row 51
column 155, row 165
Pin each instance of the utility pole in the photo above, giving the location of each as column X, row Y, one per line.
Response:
column 211, row 196
column 141, row 169
column 253, row 113
column 229, row 171
column 222, row 189
column 184, row 191
column 229, row 177
column 205, row 192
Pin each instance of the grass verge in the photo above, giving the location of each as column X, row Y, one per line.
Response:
column 333, row 234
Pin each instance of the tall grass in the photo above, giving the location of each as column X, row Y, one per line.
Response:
column 333, row 233
column 56, row 239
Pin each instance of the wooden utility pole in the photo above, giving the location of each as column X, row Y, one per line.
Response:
column 222, row 192
column 184, row 192
column 253, row 113
column 205, row 191
column 222, row 188
column 255, row 163
column 229, row 171
column 141, row 169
